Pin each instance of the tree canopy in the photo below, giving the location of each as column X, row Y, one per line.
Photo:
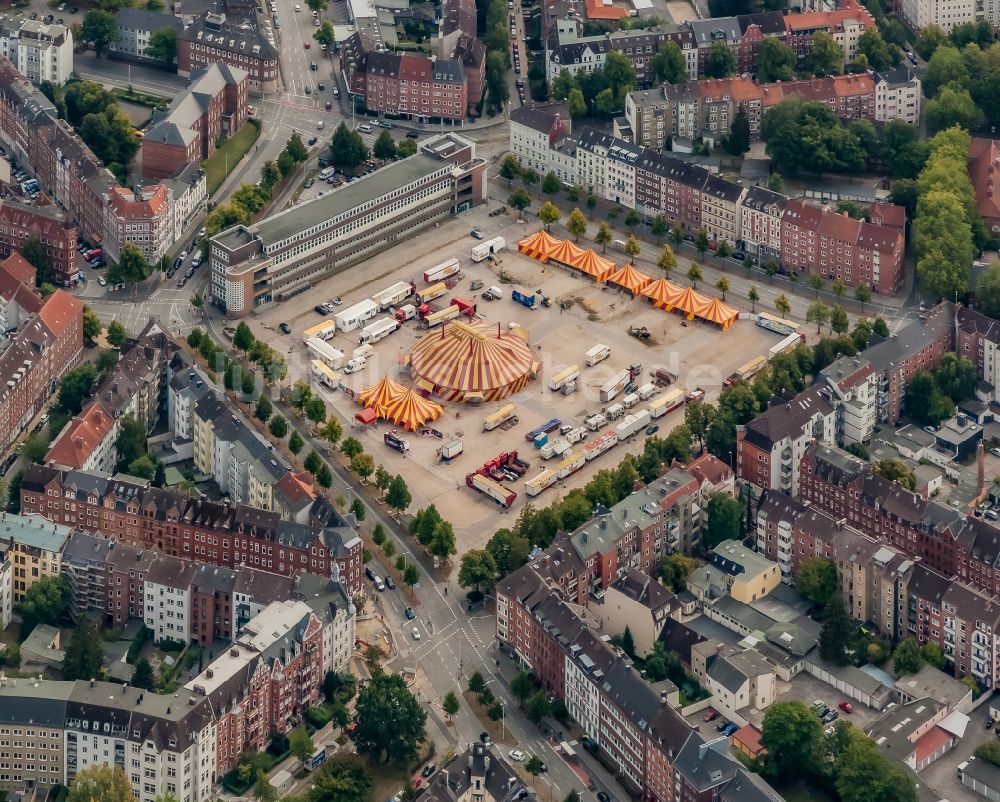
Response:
column 390, row 720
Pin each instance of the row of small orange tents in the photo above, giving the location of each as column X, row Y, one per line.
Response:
column 393, row 402
column 664, row 294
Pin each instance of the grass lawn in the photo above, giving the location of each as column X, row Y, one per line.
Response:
column 230, row 154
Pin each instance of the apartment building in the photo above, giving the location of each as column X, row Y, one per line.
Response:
column 234, row 39
column 19, row 300
column 272, row 672
column 853, row 383
column 945, row 14
column 135, row 26
column 144, row 219
column 228, row 449
column 978, row 340
column 228, row 535
column 770, row 448
column 21, row 224
column 748, row 576
column 898, row 95
column 410, row 85
column 164, row 744
column 41, row 51
column 34, row 548
column 282, row 255
column 539, row 134
column 134, row 386
column 214, row 104
column 47, row 345
column 984, row 171
column 760, row 223
column 720, row 209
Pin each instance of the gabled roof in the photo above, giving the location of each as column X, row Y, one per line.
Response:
column 788, row 419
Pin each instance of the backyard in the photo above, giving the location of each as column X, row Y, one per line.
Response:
column 226, row 157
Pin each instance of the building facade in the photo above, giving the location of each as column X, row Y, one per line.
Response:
column 41, row 51
column 236, row 40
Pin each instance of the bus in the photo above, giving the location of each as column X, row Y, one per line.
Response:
column 747, row 371
column 776, row 324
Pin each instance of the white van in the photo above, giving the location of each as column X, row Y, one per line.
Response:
column 325, row 173
column 364, row 128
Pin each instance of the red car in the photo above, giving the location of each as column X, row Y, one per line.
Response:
column 711, row 715
column 847, row 707
column 306, row 44
column 417, row 780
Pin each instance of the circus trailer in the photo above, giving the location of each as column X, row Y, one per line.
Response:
column 365, row 351
column 569, row 388
column 396, row 442
column 435, row 319
column 489, row 487
column 465, row 306
column 787, row 345
column 486, row 249
column 555, row 448
column 378, row 330
column 595, row 448
column 645, row 392
column 505, row 413
column 629, row 400
column 597, row 354
column 394, row 295
column 666, row 403
column 537, row 484
column 324, row 331
column 615, row 385
column 595, row 422
column 451, row 450
column 324, row 374
column 747, row 371
column 563, row 377
column 355, row 316
column 325, row 352
column 428, row 294
column 406, row 312
column 441, row 272
column 571, row 464
column 632, row 423
column 615, row 412
column 577, row 434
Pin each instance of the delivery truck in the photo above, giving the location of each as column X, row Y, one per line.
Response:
column 555, row 448
column 378, row 330
column 451, row 450
column 632, row 423
column 538, row 483
column 324, row 331
column 393, row 296
column 597, row 354
column 563, row 377
column 666, row 403
column 486, row 249
column 442, row 271
column 354, row 317
column 325, row 352
column 501, row 416
column 615, row 385
column 428, row 294
column 406, row 312
column 491, row 488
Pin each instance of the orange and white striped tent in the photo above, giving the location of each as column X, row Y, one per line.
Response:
column 566, row 253
column 472, row 362
column 539, row 245
column 595, row 265
column 380, row 395
column 629, row 279
column 409, row 410
column 661, row 292
column 721, row 313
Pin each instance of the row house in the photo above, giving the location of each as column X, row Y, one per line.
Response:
column 267, row 678
column 760, row 223
column 228, row 535
column 539, row 138
column 235, row 40
column 720, row 209
column 46, row 224
column 144, row 219
column 978, row 340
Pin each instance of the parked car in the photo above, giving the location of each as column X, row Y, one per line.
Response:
column 412, row 134
column 416, row 633
column 369, row 573
column 410, row 615
column 182, row 281
column 847, row 707
column 390, row 582
column 516, row 754
column 988, row 724
column 722, row 725
column 428, row 770
column 730, row 730
column 285, row 328
column 476, row 233
column 711, row 715
column 830, row 716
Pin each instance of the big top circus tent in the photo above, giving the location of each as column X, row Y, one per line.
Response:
column 539, row 246
column 661, row 292
column 595, row 265
column 410, row 410
column 629, row 279
column 472, row 362
column 566, row 253
column 721, row 313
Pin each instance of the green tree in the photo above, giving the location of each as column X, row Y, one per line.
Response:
column 91, row 325
column 793, row 736
column 497, row 88
column 442, row 543
column 142, row 467
column 324, row 476
column 278, row 427
column 315, row 410
column 548, row 214
column 632, row 219
column 325, row 35
column 720, row 61
column 826, row 57
column 838, row 319
column 450, row 704
column 577, row 105
column 930, row 39
column 351, row 447
column 669, row 64
column 783, row 305
column 390, row 720
column 538, row 706
column 632, row 248
column 945, row 68
column 659, row 227
column 45, row 602
column 510, row 168
column 628, row 642
column 384, row 147
column 347, row 148
column 509, row 550
column 522, row 686
column 988, row 291
column 342, row 778
column 807, row 136
column 301, row 744
column 331, row 431
column 411, row 575
column 116, row 334
column 724, row 514
column 737, row 142
column 775, row 61
column 405, row 148
column 933, row 655
column 925, row 402
column 895, row 470
column 162, row 45
column 398, row 495
column 722, row 285
column 701, row 243
column 818, row 313
column 989, row 751
column 550, row 184
column 263, row 791
column 131, row 441
column 953, row 107
column 519, row 199
column 143, row 676
column 835, row 634
column 577, row 224
column 880, row 54
column 817, row 580
column 34, row 252
column 753, row 296
column 603, row 236
column 533, row 765
column 296, row 148
column 477, row 568
column 286, row 164
column 907, row 658
column 100, row 782
column 694, row 275
column 99, row 30
column 264, row 408
column 295, row 442
column 84, row 652
column 363, row 465
column 131, row 267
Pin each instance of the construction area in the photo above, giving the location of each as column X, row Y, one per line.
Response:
column 492, row 380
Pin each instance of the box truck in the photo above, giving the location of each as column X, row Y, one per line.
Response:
column 378, row 330
column 451, row 450
column 395, row 442
column 668, row 402
column 441, row 272
column 632, row 423
column 615, row 385
column 502, row 415
column 488, row 248
column 563, row 377
column 428, row 294
column 537, row 484
column 354, row 317
column 597, row 354
column 493, row 489
column 393, row 296
column 324, row 331
column 406, row 312
column 325, row 352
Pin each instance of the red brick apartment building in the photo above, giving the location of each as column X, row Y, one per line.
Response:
column 407, row 85
column 231, row 535
column 19, row 224
column 214, row 103
column 236, row 40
